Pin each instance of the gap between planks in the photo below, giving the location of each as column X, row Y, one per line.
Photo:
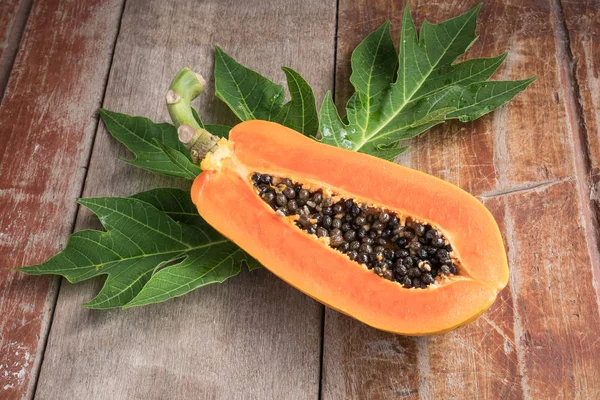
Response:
column 324, row 308
column 579, row 132
column 13, row 42
column 56, row 285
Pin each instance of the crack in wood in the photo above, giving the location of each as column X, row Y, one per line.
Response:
column 524, row 188
column 579, row 132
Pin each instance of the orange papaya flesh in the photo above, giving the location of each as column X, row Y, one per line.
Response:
column 225, row 197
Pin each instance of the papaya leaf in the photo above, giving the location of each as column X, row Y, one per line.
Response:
column 188, row 169
column 141, row 135
column 428, row 90
column 175, row 203
column 178, row 205
column 252, row 96
column 301, row 112
column 190, row 273
column 141, row 242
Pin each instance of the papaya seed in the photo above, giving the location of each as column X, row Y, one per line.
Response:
column 397, row 248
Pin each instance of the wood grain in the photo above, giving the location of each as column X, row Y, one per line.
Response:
column 556, row 315
column 13, row 15
column 251, row 337
column 582, row 63
column 47, row 123
column 581, row 19
column 533, row 342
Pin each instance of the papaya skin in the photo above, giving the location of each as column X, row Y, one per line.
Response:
column 225, row 197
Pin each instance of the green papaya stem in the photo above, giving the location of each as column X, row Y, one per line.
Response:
column 185, row 87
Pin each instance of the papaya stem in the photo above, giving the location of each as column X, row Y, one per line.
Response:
column 185, row 87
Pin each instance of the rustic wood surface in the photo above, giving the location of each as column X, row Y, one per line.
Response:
column 583, row 30
column 535, row 164
column 47, row 126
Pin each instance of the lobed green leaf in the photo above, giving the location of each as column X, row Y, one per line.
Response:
column 252, row 96
column 148, row 141
column 150, row 239
column 301, row 112
column 428, row 90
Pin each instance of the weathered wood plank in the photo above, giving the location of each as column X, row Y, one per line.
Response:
column 253, row 336
column 13, row 15
column 556, row 315
column 520, row 160
column 581, row 63
column 583, row 29
column 47, row 123
column 360, row 362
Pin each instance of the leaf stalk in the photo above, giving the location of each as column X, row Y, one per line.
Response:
column 185, row 87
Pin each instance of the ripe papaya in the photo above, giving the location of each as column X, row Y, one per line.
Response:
column 393, row 247
column 227, row 196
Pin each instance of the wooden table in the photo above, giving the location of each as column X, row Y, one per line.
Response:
column 534, row 163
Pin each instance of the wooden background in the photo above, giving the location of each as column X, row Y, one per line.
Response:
column 534, row 163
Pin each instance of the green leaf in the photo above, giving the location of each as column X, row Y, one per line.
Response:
column 301, row 112
column 464, row 73
column 197, row 117
column 188, row 169
column 193, row 272
column 480, row 98
column 200, row 267
column 178, row 205
column 252, row 96
column 175, row 203
column 141, row 135
column 247, row 93
column 139, row 241
column 374, row 62
column 252, row 263
column 428, row 90
column 333, row 130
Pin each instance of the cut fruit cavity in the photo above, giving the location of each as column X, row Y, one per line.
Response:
column 397, row 248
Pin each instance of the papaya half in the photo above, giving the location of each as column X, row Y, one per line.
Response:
column 451, row 239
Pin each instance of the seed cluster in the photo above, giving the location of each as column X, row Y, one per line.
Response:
column 410, row 253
